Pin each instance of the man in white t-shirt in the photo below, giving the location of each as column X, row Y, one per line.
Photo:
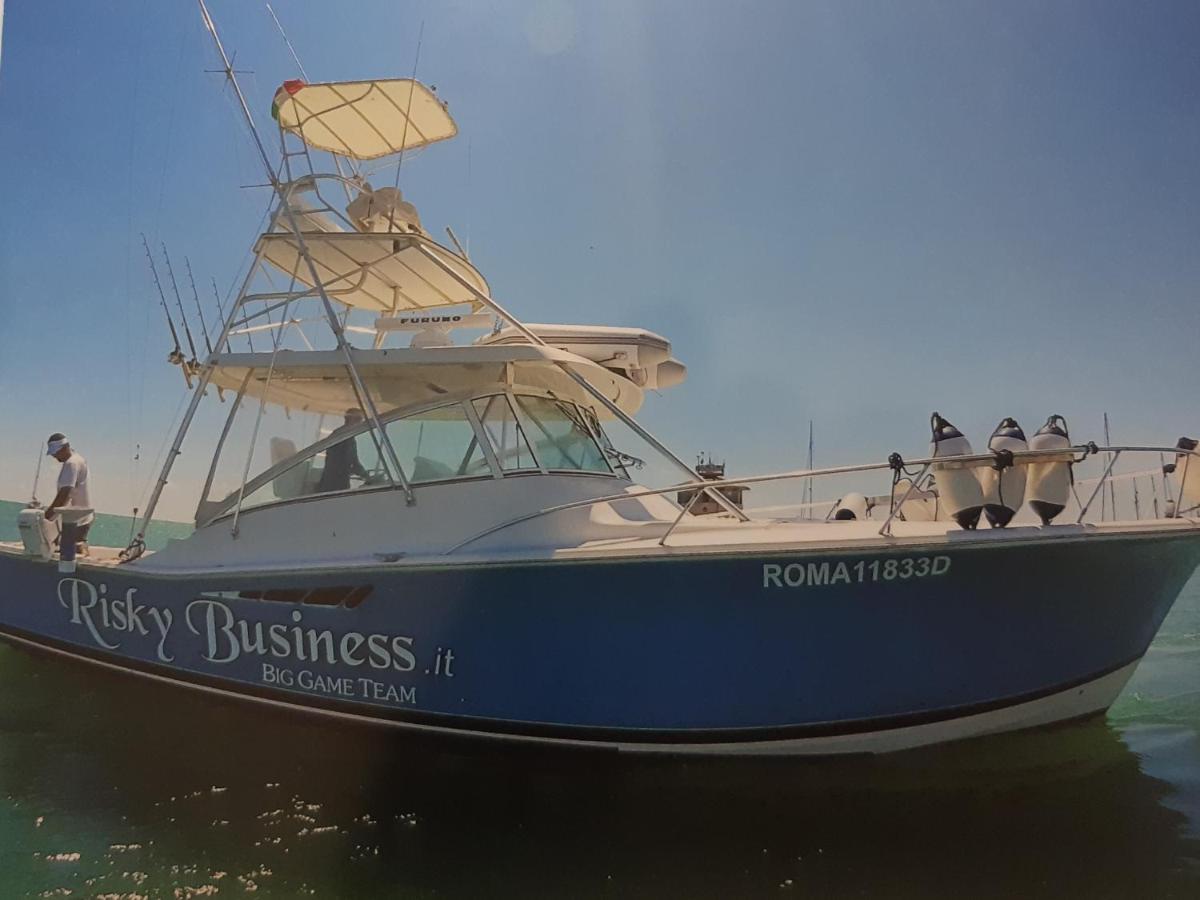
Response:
column 72, row 486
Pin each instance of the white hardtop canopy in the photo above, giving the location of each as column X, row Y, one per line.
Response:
column 317, row 380
column 363, row 119
column 377, row 272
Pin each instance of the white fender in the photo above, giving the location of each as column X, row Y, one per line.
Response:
column 1048, row 486
column 1187, row 467
column 958, row 489
column 851, row 506
column 1004, row 488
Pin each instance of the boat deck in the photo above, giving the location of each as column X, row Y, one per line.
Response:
column 97, row 556
column 715, row 535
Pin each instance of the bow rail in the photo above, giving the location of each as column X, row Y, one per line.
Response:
column 1071, row 455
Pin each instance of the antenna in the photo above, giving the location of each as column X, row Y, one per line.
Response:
column 182, row 315
column 283, row 34
column 808, row 488
column 469, row 196
column 199, row 310
column 454, row 237
column 412, row 89
column 175, row 357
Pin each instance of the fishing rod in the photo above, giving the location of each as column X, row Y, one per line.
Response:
column 37, row 476
column 221, row 310
column 195, row 363
column 203, row 325
column 175, row 357
column 199, row 309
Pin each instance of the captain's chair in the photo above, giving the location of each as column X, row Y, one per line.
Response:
column 296, row 481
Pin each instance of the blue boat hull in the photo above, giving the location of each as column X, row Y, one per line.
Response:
column 674, row 652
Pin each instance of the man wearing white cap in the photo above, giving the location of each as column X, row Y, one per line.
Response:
column 72, row 486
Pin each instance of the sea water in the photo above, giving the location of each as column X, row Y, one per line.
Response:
column 107, row 531
column 112, row 787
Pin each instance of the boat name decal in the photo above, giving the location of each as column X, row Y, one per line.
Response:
column 822, row 574
column 103, row 615
column 226, row 637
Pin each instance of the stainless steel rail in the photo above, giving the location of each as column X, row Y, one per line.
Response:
column 1073, row 454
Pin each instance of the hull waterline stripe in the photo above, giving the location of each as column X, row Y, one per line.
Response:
column 520, row 731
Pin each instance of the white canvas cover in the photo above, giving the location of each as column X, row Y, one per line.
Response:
column 316, row 380
column 375, row 272
column 363, row 119
column 635, row 353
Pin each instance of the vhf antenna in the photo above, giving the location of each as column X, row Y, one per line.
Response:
column 175, row 357
column 195, row 363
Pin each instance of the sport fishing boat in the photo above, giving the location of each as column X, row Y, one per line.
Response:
column 417, row 515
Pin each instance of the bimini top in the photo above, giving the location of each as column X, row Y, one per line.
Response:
column 376, row 272
column 317, row 381
column 363, row 119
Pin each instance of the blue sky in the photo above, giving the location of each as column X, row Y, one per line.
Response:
column 850, row 212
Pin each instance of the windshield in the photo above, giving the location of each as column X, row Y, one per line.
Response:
column 444, row 443
column 560, row 438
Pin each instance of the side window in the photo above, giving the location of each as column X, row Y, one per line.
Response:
column 610, row 452
column 505, row 432
column 560, row 438
column 438, row 444
column 346, row 465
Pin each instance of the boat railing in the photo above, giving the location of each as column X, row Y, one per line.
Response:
column 1070, row 455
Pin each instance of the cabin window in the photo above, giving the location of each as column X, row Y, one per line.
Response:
column 505, row 432
column 438, row 444
column 433, row 445
column 560, row 437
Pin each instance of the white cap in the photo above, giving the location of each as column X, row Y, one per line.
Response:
column 53, row 447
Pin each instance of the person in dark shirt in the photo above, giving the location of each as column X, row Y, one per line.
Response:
column 341, row 459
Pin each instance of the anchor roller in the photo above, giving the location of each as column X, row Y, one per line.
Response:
column 1048, row 486
column 958, row 489
column 1004, row 483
